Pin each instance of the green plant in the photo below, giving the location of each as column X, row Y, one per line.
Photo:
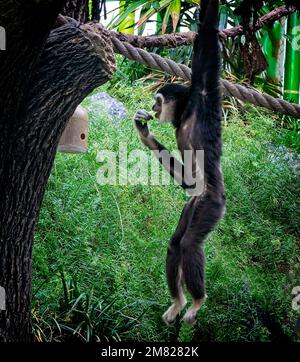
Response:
column 82, row 316
column 169, row 8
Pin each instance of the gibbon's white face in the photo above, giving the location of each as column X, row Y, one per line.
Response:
column 164, row 109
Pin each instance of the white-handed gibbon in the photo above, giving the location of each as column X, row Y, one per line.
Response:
column 195, row 112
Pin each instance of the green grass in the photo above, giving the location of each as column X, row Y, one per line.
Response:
column 110, row 242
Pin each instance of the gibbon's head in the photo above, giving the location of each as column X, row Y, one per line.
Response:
column 170, row 102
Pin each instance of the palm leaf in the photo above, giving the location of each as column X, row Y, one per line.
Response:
column 175, row 7
column 165, row 20
column 145, row 8
column 145, row 17
column 117, row 20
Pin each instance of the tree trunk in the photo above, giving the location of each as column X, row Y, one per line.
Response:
column 77, row 9
column 96, row 10
column 43, row 77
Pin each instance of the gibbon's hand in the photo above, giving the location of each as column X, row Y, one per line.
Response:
column 140, row 124
column 142, row 115
column 143, row 131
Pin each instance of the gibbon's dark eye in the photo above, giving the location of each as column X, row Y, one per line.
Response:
column 158, row 101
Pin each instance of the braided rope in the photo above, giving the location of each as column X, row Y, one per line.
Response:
column 151, row 60
column 180, row 70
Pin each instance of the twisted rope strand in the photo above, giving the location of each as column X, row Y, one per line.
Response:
column 239, row 91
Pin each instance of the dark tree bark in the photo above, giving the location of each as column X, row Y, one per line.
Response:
column 82, row 11
column 77, row 9
column 96, row 10
column 43, row 77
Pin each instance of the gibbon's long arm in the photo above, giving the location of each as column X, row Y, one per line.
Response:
column 205, row 95
column 173, row 166
column 206, row 53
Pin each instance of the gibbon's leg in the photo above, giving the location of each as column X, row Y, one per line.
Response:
column 173, row 267
column 209, row 209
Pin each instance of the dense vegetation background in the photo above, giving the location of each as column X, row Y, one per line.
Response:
column 100, row 250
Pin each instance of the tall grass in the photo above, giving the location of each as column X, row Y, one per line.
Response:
column 112, row 241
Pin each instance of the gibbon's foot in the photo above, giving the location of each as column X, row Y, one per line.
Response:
column 191, row 313
column 170, row 315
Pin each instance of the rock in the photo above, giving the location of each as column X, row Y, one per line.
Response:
column 281, row 154
column 105, row 106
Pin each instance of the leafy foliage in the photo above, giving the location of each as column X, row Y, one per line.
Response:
column 169, row 9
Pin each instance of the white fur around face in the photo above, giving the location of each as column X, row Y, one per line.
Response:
column 167, row 113
column 161, row 97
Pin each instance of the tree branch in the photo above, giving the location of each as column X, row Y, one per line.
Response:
column 75, row 61
column 27, row 25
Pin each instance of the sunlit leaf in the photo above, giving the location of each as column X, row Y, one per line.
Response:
column 145, row 8
column 127, row 25
column 165, row 20
column 146, row 16
column 175, row 7
column 132, row 7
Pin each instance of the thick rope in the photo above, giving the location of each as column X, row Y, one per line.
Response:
column 180, row 70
